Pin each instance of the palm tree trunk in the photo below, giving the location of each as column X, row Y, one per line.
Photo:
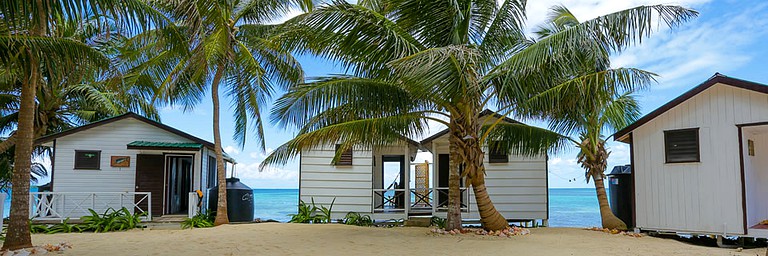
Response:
column 489, row 216
column 18, row 235
column 453, row 219
column 609, row 220
column 221, row 206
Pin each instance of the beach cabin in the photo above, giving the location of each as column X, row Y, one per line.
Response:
column 125, row 161
column 386, row 183
column 700, row 162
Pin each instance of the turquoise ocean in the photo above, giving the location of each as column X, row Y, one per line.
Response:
column 568, row 207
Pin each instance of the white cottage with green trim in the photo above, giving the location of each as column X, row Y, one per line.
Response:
column 125, row 161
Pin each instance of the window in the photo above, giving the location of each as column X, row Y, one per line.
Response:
column 212, row 178
column 682, row 146
column 497, row 152
column 346, row 156
column 87, row 159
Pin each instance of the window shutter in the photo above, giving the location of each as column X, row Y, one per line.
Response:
column 682, row 146
column 497, row 152
column 346, row 156
column 87, row 159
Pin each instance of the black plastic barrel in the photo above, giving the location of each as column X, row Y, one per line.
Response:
column 239, row 200
column 620, row 186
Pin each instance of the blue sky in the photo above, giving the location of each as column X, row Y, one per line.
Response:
column 728, row 37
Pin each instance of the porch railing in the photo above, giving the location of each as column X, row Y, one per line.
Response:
column 442, row 197
column 62, row 205
column 421, row 200
column 389, row 200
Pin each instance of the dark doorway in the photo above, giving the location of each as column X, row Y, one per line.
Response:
column 149, row 178
column 394, row 174
column 179, row 171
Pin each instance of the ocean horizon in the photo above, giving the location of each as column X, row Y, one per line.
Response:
column 568, row 207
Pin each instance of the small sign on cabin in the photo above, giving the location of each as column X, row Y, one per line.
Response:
column 120, row 161
column 751, row 147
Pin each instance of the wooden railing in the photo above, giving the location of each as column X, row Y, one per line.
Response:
column 421, row 199
column 62, row 205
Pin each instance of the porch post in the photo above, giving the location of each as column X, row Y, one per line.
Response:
column 407, row 163
column 435, row 182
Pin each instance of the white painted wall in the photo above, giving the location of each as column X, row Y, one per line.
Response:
column 350, row 185
column 111, row 139
column 700, row 197
column 518, row 188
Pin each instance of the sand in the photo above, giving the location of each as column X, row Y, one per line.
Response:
column 336, row 239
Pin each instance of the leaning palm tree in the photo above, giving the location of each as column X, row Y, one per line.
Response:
column 27, row 47
column 225, row 44
column 587, row 106
column 412, row 61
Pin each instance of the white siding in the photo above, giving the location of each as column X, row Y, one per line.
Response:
column 518, row 188
column 696, row 197
column 350, row 185
column 111, row 139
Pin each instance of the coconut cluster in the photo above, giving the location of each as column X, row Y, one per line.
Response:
column 509, row 232
column 38, row 250
column 615, row 232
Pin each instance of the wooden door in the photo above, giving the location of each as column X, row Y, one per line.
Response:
column 150, row 178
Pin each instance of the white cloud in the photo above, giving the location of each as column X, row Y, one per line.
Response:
column 270, row 177
column 717, row 45
column 231, row 150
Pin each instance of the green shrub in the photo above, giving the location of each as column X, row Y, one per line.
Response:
column 438, row 222
column 200, row 220
column 325, row 213
column 65, row 227
column 111, row 220
column 309, row 213
column 353, row 218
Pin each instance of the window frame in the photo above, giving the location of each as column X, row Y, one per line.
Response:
column 697, row 142
column 496, row 159
column 98, row 162
column 351, row 157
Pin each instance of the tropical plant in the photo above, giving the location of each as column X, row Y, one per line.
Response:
column 111, row 220
column 592, row 103
column 354, row 218
column 28, row 49
column 311, row 213
column 200, row 220
column 37, row 170
column 306, row 213
column 437, row 222
column 324, row 216
column 415, row 61
column 218, row 44
column 65, row 227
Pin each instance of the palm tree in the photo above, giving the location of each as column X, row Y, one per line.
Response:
column 225, row 43
column 27, row 47
column 587, row 106
column 412, row 61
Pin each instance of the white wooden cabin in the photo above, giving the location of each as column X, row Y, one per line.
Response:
column 700, row 162
column 125, row 161
column 518, row 187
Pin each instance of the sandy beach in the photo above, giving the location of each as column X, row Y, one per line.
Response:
column 334, row 239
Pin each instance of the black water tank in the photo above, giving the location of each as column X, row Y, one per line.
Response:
column 620, row 187
column 239, row 200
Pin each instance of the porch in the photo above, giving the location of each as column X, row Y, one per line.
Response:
column 59, row 206
column 404, row 203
